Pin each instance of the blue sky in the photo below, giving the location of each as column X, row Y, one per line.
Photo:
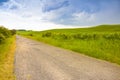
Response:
column 49, row 14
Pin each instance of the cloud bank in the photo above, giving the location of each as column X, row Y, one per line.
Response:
column 50, row 14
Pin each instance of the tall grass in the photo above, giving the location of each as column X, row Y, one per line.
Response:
column 7, row 47
column 101, row 42
column 7, row 59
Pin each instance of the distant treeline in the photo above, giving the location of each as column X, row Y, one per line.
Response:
column 5, row 33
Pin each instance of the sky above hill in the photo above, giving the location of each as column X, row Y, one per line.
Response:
column 49, row 14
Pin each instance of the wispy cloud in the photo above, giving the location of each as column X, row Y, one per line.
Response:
column 55, row 5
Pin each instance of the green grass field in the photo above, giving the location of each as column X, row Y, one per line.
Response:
column 101, row 42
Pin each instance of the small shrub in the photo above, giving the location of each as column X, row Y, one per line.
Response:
column 13, row 31
column 2, row 38
column 31, row 34
column 64, row 36
column 47, row 34
column 112, row 36
column 5, row 32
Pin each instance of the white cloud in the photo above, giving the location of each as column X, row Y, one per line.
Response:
column 27, row 15
column 30, row 14
column 108, row 15
column 18, row 22
column 83, row 17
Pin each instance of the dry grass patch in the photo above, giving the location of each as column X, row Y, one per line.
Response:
column 7, row 66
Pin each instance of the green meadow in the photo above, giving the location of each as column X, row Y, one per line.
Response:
column 102, row 42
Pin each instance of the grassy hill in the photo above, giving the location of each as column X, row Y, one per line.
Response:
column 101, row 42
column 100, row 28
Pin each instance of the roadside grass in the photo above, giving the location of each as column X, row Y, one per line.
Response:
column 102, row 42
column 7, row 49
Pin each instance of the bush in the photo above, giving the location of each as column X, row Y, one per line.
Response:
column 31, row 34
column 64, row 36
column 13, row 32
column 47, row 34
column 5, row 33
column 84, row 36
column 112, row 36
column 2, row 38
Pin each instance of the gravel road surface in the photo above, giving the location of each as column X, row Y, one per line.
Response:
column 38, row 61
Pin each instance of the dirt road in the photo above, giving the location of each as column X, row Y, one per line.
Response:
column 39, row 61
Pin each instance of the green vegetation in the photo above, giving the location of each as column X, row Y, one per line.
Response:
column 101, row 42
column 5, row 33
column 7, row 47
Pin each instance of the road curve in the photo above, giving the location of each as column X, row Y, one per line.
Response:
column 38, row 61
